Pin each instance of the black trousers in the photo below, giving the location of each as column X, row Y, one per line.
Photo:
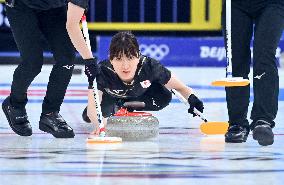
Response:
column 155, row 98
column 264, row 21
column 28, row 27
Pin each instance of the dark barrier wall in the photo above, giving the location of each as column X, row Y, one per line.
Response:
column 159, row 16
column 155, row 15
column 149, row 15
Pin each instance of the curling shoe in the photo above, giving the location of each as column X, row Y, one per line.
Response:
column 262, row 132
column 54, row 124
column 85, row 116
column 17, row 118
column 236, row 134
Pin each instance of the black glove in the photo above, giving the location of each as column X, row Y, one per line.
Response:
column 10, row 3
column 91, row 70
column 194, row 102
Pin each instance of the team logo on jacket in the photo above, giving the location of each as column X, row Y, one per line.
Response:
column 145, row 84
column 118, row 91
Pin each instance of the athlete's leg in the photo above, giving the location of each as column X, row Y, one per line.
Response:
column 268, row 30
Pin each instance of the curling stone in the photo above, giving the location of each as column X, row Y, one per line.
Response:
column 132, row 126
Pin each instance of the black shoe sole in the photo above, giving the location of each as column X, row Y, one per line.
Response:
column 10, row 122
column 263, row 135
column 236, row 140
column 47, row 129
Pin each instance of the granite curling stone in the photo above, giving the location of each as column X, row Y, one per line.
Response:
column 132, row 126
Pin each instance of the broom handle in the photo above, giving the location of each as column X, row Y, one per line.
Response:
column 229, row 37
column 183, row 100
column 96, row 95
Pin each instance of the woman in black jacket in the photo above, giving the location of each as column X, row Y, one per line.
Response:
column 261, row 21
column 30, row 21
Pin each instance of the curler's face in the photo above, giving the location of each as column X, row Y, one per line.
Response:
column 125, row 67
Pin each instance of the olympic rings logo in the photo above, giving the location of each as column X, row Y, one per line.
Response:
column 157, row 52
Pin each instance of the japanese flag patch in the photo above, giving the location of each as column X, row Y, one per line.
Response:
column 145, row 84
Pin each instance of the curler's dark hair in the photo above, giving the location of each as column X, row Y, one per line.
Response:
column 123, row 43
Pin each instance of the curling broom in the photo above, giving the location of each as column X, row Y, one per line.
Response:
column 230, row 81
column 208, row 128
column 94, row 97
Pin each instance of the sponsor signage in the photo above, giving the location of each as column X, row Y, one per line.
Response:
column 181, row 51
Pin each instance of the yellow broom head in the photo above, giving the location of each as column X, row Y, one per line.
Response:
column 214, row 128
column 231, row 82
column 103, row 140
